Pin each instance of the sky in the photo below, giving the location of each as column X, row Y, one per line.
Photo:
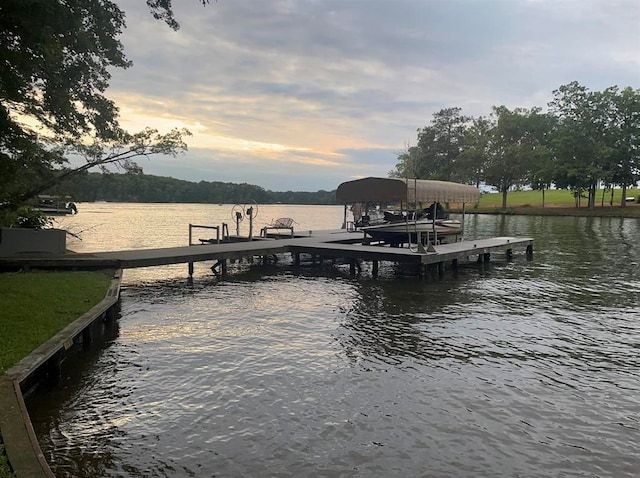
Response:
column 304, row 95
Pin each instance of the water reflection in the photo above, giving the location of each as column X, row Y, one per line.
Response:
column 85, row 440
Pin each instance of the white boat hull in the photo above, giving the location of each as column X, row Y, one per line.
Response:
column 403, row 232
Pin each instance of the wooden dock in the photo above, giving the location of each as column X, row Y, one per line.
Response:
column 335, row 244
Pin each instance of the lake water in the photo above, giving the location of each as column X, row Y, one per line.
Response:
column 526, row 368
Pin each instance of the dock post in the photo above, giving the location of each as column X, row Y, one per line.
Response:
column 454, row 264
column 223, row 263
column 530, row 252
column 481, row 264
column 296, row 259
column 250, row 214
column 87, row 337
column 440, row 269
column 375, row 268
column 509, row 254
column 352, row 267
column 484, row 257
column 190, row 266
column 344, row 219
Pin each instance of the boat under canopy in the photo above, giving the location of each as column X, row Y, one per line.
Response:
column 386, row 190
column 418, row 226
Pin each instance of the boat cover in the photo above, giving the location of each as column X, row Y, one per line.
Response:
column 407, row 190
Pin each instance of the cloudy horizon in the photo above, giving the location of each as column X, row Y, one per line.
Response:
column 303, row 95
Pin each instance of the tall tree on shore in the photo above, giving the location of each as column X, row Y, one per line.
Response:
column 407, row 165
column 542, row 167
column 513, row 148
column 473, row 159
column 623, row 136
column 440, row 144
column 56, row 57
column 582, row 139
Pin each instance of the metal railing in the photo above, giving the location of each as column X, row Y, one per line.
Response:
column 196, row 226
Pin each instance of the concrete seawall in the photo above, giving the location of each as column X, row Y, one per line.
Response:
column 20, row 442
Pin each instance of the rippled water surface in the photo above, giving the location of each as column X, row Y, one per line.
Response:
column 527, row 368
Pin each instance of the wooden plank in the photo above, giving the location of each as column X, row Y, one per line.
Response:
column 358, row 251
column 464, row 249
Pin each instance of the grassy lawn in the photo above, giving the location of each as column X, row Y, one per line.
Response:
column 552, row 198
column 34, row 306
column 557, row 203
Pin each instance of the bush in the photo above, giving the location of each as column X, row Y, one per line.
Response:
column 24, row 217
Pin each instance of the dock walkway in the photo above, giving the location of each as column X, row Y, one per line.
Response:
column 325, row 244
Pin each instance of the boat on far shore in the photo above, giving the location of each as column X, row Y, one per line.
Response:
column 55, row 205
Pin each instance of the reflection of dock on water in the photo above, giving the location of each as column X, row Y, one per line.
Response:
column 319, row 245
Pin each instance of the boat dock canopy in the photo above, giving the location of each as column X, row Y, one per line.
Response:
column 408, row 190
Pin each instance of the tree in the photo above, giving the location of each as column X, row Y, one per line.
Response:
column 407, row 164
column 473, row 159
column 56, row 57
column 162, row 10
column 439, row 147
column 441, row 143
column 513, row 147
column 541, row 170
column 580, row 140
column 119, row 151
column 623, row 136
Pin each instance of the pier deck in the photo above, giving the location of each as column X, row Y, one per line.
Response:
column 326, row 244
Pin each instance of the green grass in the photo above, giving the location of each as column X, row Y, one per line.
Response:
column 553, row 198
column 556, row 203
column 34, row 306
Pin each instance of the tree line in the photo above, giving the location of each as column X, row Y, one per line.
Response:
column 585, row 138
column 137, row 187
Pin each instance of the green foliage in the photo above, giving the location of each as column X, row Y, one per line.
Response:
column 515, row 142
column 119, row 151
column 24, row 217
column 161, row 10
column 56, row 57
column 439, row 147
column 585, row 138
column 475, row 155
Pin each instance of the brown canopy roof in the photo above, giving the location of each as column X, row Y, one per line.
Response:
column 396, row 190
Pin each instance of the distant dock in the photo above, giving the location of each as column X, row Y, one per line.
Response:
column 332, row 244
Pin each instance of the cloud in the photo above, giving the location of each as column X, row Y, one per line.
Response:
column 305, row 94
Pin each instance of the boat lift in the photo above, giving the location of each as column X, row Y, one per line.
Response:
column 406, row 192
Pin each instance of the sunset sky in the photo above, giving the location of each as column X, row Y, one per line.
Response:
column 303, row 95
